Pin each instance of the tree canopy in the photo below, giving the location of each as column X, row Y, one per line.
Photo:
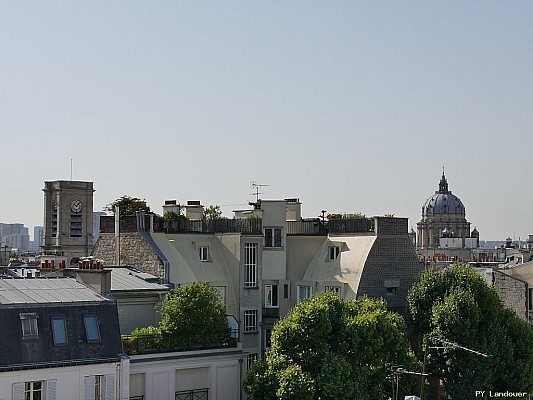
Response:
column 191, row 316
column 192, row 310
column 459, row 307
column 212, row 212
column 128, row 205
column 328, row 348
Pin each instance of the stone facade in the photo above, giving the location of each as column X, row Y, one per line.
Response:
column 134, row 251
column 512, row 293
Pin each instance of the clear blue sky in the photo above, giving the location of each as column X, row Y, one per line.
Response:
column 352, row 106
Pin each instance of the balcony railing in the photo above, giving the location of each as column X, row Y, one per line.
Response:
column 335, row 226
column 221, row 225
column 269, row 312
column 196, row 394
column 163, row 343
column 306, row 227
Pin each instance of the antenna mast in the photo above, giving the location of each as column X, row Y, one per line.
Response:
column 255, row 187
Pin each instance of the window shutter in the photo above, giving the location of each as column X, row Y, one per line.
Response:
column 18, row 391
column 51, row 389
column 89, row 388
column 110, row 387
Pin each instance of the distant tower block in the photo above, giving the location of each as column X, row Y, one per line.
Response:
column 68, row 219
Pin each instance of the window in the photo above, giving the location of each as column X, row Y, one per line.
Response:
column 250, row 264
column 250, row 320
column 304, row 292
column 203, row 253
column 271, row 296
column 530, row 299
column 268, row 338
column 59, row 330
column 335, row 289
column 35, row 390
column 272, row 237
column 99, row 387
column 286, row 291
column 91, row 328
column 250, row 359
column 391, row 291
column 29, row 325
column 334, row 252
column 222, row 293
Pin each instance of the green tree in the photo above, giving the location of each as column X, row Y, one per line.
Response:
column 459, row 307
column 328, row 348
column 194, row 314
column 212, row 212
column 128, row 205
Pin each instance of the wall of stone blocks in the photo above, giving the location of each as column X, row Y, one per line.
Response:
column 512, row 292
column 134, row 251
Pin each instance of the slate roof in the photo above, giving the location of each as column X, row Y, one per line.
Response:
column 45, row 291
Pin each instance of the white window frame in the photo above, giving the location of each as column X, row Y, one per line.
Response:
column 99, row 387
column 336, row 289
column 250, row 265
column 222, row 292
column 268, row 338
column 250, row 321
column 272, row 239
column 30, row 327
column 23, row 390
column 309, row 290
column 203, row 253
column 271, row 296
column 250, row 359
column 334, row 252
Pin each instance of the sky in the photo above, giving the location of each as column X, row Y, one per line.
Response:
column 351, row 106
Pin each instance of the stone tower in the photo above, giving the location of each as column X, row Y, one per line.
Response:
column 68, row 219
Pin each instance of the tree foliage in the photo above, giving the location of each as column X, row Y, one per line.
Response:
column 192, row 316
column 128, row 205
column 458, row 306
column 356, row 215
column 212, row 212
column 328, row 348
column 194, row 310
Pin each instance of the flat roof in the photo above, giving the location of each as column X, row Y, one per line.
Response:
column 45, row 291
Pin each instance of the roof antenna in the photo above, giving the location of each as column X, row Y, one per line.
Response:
column 255, row 187
column 71, row 169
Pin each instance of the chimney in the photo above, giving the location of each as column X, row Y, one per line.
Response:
column 194, row 210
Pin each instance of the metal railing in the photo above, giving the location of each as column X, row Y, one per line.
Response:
column 162, row 343
column 195, row 394
column 270, row 312
column 221, row 225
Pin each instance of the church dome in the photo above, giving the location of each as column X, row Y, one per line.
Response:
column 443, row 201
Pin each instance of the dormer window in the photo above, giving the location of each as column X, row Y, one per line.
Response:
column 334, row 252
column 29, row 325
column 92, row 330
column 203, row 253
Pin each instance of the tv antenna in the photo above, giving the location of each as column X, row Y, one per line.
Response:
column 255, row 187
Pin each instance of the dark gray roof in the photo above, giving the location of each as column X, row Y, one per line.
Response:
column 44, row 291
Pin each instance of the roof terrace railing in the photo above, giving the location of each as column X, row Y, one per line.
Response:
column 220, row 225
column 164, row 343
